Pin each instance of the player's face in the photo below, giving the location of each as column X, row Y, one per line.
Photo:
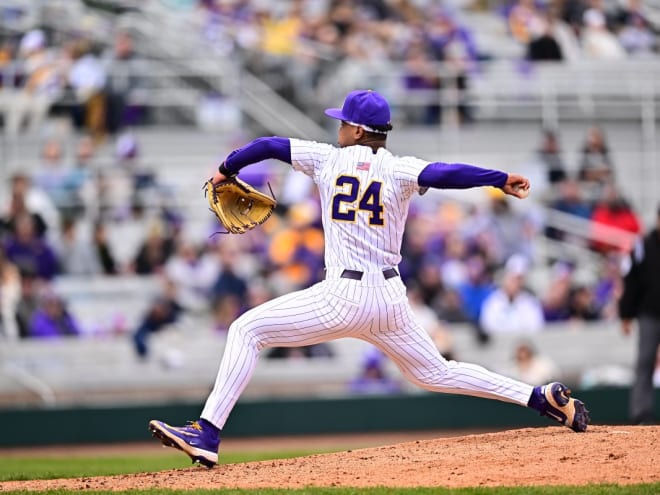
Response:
column 348, row 134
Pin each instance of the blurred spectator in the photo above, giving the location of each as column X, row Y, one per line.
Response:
column 511, row 308
column 230, row 288
column 127, row 235
column 373, row 378
column 193, row 274
column 31, row 287
column 7, row 50
column 80, row 180
column 613, row 211
column 10, row 294
column 550, row 157
column 556, row 300
column 625, row 11
column 226, row 309
column 634, row 29
column 641, row 293
column 296, row 251
column 30, row 253
column 449, row 307
column 608, row 287
column 475, row 290
column 163, row 311
column 525, row 21
column 570, row 200
column 278, row 39
column 637, row 38
column 41, row 86
column 422, row 76
column 429, row 283
column 143, row 182
column 452, row 264
column 24, row 195
column 530, row 366
column 511, row 231
column 430, row 322
column 155, row 251
column 87, row 79
column 52, row 319
column 598, row 42
column 565, row 35
column 122, row 190
column 415, row 248
column 103, row 251
column 53, row 176
column 544, row 46
column 583, row 304
column 572, row 12
column 554, row 39
column 595, row 163
column 121, row 81
column 279, row 34
column 18, row 208
column 454, row 45
column 76, row 252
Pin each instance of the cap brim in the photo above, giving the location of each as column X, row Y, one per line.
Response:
column 335, row 113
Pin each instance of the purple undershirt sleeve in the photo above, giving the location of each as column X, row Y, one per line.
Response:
column 459, row 176
column 260, row 149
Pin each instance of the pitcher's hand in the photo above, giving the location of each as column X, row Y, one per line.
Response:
column 516, row 185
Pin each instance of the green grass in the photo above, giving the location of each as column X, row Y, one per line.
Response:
column 562, row 490
column 30, row 468
column 41, row 468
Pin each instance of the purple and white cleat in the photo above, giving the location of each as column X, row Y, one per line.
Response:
column 199, row 439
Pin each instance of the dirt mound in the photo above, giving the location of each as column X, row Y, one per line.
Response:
column 531, row 456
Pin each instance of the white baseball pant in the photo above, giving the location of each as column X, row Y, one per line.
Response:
column 372, row 309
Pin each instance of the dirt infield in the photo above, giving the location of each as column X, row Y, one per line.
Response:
column 531, row 456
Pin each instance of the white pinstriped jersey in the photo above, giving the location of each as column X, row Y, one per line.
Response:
column 365, row 198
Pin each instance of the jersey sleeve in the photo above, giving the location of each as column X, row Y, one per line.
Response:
column 307, row 156
column 407, row 173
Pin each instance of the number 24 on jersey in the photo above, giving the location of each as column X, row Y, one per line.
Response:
column 343, row 203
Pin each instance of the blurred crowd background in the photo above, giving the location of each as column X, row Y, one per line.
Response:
column 113, row 113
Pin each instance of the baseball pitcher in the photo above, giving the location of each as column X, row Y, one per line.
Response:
column 365, row 194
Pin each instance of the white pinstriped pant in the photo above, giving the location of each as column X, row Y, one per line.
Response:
column 372, row 309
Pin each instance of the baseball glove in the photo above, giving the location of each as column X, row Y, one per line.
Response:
column 237, row 205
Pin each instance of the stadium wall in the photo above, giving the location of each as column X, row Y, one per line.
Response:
column 296, row 417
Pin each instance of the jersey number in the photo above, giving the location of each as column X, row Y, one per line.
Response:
column 370, row 200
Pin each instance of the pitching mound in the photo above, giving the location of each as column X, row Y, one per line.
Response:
column 531, row 456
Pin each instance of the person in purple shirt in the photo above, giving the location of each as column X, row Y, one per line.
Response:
column 30, row 252
column 52, row 319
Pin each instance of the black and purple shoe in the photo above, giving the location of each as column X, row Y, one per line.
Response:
column 557, row 403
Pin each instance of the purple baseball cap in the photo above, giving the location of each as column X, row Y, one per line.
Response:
column 363, row 107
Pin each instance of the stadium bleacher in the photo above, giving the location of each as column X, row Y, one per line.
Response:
column 511, row 109
column 93, row 371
